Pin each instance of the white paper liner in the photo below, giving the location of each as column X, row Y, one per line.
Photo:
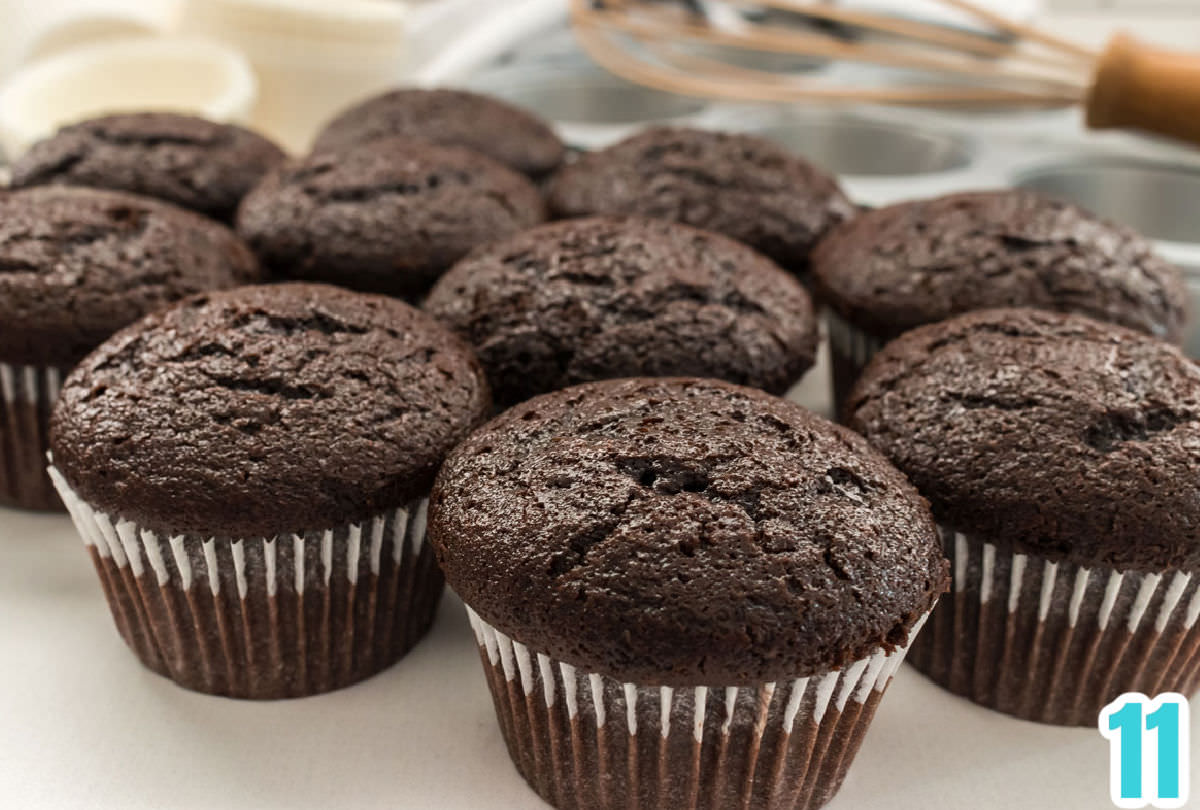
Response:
column 270, row 617
column 850, row 341
column 1056, row 642
column 587, row 740
column 30, row 383
column 850, row 350
column 27, row 396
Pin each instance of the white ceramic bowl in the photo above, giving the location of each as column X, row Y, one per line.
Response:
column 141, row 73
column 312, row 58
column 79, row 29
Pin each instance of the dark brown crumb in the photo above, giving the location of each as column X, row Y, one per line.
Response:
column 266, row 410
column 678, row 531
column 1054, row 434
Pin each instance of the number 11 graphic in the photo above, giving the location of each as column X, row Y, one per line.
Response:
column 1149, row 750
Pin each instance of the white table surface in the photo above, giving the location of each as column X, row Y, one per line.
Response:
column 82, row 725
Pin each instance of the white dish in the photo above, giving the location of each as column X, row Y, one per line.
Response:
column 85, row 726
column 312, row 57
column 355, row 20
column 140, row 73
column 79, row 30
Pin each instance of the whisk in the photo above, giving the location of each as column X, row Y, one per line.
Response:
column 678, row 47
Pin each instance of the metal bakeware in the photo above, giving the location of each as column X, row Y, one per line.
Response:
column 878, row 161
column 1160, row 200
column 590, row 108
column 851, row 146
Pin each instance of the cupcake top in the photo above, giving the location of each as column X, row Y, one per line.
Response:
column 192, row 162
column 388, row 216
column 1055, row 434
column 924, row 261
column 454, row 118
column 739, row 185
column 266, row 410
column 591, row 299
column 78, row 264
column 684, row 532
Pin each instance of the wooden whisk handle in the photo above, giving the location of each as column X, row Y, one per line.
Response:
column 1141, row 87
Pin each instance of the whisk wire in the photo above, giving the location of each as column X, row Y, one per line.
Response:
column 653, row 43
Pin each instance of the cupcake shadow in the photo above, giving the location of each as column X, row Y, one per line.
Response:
column 40, row 556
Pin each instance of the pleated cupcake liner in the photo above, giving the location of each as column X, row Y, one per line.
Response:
column 850, row 349
column 27, row 397
column 266, row 618
column 1056, row 642
column 586, row 741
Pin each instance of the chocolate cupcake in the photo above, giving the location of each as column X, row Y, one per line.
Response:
column 76, row 265
column 1062, row 459
column 249, row 470
column 189, row 161
column 742, row 186
column 593, row 299
column 683, row 590
column 920, row 262
column 389, row 216
column 501, row 131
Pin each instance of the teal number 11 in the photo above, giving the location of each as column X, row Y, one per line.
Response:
column 1141, row 760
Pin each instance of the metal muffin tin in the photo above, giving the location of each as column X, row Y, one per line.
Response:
column 852, row 146
column 886, row 155
column 1160, row 200
column 591, row 108
column 878, row 161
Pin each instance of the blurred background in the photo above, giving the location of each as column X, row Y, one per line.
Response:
column 311, row 57
column 287, row 66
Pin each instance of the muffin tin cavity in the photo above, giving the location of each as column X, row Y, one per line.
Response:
column 877, row 160
column 1157, row 199
column 590, row 108
column 854, row 146
column 596, row 98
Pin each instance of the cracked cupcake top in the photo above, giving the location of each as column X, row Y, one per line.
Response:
column 742, row 186
column 684, row 532
column 453, row 118
column 592, row 299
column 1062, row 436
column 78, row 264
column 924, row 261
column 266, row 410
column 388, row 216
column 197, row 164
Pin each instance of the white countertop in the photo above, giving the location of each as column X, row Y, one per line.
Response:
column 86, row 727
